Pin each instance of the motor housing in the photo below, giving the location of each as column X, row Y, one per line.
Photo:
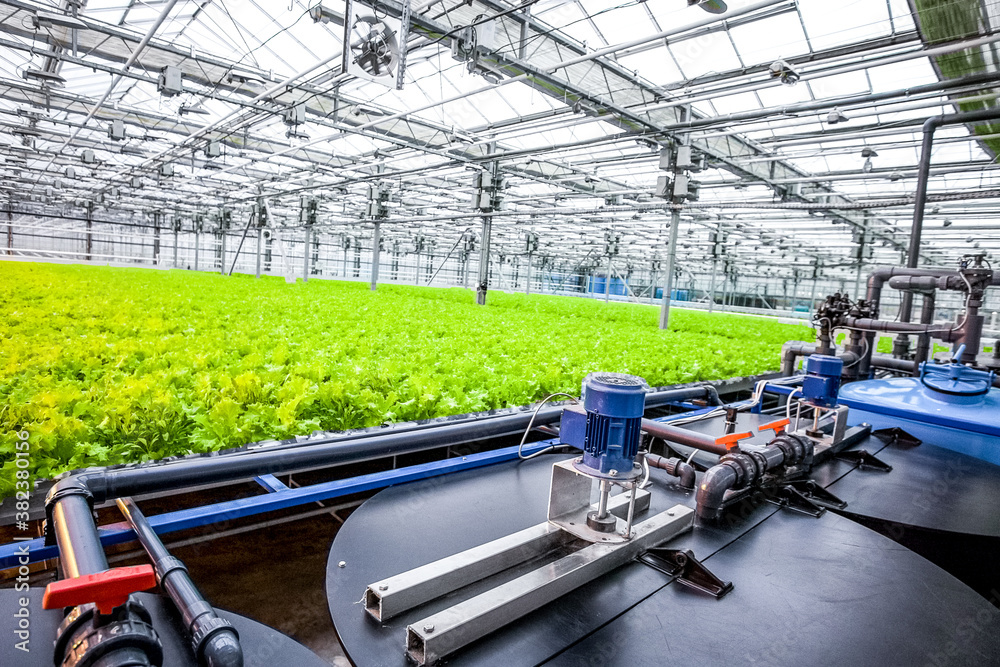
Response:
column 822, row 380
column 608, row 428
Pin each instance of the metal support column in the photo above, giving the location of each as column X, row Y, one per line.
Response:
column 607, row 281
column 156, row 238
column 675, row 223
column 652, row 293
column 483, row 285
column 10, row 230
column 197, row 242
column 90, row 224
column 222, row 259
column 668, row 283
column 176, row 226
column 711, row 291
column 305, row 254
column 260, row 239
column 263, row 215
column 376, row 241
column 795, row 292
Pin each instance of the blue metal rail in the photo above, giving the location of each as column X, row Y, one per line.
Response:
column 279, row 496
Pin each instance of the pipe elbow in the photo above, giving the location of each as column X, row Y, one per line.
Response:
column 685, row 473
column 712, row 395
column 879, row 276
column 223, row 649
column 675, row 468
column 712, row 491
column 791, row 351
column 73, row 485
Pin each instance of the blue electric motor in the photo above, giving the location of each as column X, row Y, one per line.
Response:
column 822, row 381
column 608, row 428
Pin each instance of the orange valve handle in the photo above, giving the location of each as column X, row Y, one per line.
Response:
column 732, row 441
column 778, row 426
column 107, row 590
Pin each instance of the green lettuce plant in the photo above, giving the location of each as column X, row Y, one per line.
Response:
column 105, row 366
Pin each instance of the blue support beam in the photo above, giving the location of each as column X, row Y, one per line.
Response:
column 118, row 533
column 270, row 483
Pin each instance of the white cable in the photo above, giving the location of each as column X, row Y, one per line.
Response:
column 691, row 456
column 788, row 406
column 645, row 478
column 532, row 421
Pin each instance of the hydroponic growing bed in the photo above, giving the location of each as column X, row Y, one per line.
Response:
column 108, row 365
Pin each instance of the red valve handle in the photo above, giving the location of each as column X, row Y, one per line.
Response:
column 778, row 426
column 732, row 441
column 107, row 590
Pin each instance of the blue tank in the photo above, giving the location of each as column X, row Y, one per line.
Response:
column 949, row 405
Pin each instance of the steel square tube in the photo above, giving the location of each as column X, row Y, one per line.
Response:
column 436, row 636
column 391, row 597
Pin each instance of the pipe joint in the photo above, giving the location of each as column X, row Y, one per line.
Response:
column 675, row 468
column 75, row 485
column 745, row 468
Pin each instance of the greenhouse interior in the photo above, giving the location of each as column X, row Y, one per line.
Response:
column 495, row 332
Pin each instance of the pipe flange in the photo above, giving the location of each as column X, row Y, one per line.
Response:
column 71, row 624
column 793, row 447
column 760, row 464
column 129, row 633
column 743, row 466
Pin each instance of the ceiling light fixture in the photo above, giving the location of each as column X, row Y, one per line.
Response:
column 45, row 77
column 780, row 69
column 710, row 6
column 200, row 110
column 51, row 20
column 836, row 116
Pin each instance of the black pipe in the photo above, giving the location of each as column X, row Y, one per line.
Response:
column 876, row 280
column 942, row 332
column 923, row 174
column 85, row 633
column 682, row 436
column 80, row 548
column 924, row 340
column 791, row 351
column 80, row 534
column 712, row 492
column 893, row 364
column 743, row 470
column 213, row 639
column 105, row 484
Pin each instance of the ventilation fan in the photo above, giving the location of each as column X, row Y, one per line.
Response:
column 374, row 47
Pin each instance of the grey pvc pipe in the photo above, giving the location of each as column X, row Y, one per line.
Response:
column 213, row 639
column 80, row 549
column 923, row 174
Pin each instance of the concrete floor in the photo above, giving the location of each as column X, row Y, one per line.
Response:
column 275, row 575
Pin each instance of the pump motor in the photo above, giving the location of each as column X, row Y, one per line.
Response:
column 608, row 427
